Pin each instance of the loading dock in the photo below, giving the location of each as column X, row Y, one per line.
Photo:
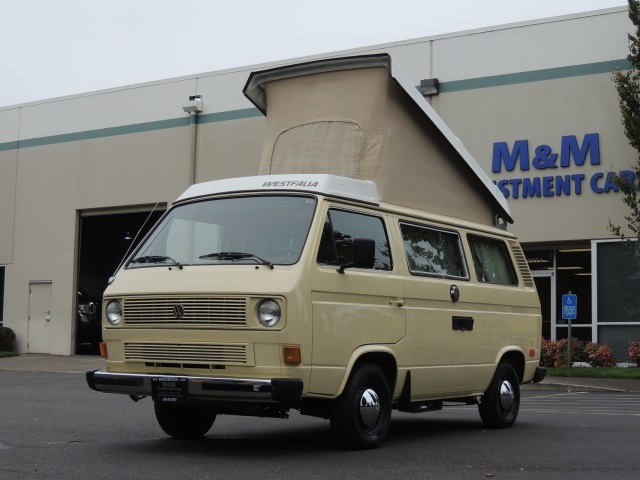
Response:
column 103, row 240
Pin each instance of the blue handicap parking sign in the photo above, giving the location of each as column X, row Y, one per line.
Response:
column 569, row 306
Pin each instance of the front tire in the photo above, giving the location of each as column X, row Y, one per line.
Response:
column 361, row 416
column 501, row 402
column 182, row 421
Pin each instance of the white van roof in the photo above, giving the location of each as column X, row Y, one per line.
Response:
column 330, row 185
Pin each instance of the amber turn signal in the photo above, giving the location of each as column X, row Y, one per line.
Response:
column 292, row 355
column 103, row 350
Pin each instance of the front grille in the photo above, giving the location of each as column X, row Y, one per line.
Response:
column 189, row 353
column 180, row 311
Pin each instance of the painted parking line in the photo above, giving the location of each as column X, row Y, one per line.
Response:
column 583, row 403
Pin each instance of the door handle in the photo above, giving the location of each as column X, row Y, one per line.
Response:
column 397, row 301
column 454, row 292
column 462, row 323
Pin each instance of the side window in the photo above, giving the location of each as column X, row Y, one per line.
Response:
column 340, row 228
column 492, row 261
column 433, row 252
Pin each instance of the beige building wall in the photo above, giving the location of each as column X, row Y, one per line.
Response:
column 542, row 113
column 9, row 121
column 229, row 148
column 56, row 183
column 540, row 82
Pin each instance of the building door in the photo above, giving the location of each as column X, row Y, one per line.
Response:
column 39, row 328
column 1, row 294
column 546, row 286
column 103, row 241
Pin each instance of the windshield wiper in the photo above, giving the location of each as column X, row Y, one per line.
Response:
column 237, row 256
column 156, row 259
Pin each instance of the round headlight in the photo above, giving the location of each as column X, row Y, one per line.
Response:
column 114, row 312
column 269, row 313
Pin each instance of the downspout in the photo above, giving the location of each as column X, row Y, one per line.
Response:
column 193, row 107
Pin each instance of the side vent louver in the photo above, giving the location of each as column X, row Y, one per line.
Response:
column 523, row 266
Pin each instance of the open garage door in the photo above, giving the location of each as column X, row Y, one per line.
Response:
column 103, row 242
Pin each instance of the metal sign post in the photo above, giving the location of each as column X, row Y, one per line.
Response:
column 569, row 312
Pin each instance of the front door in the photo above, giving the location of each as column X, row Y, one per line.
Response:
column 39, row 328
column 355, row 309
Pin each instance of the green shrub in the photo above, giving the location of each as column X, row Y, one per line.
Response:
column 7, row 339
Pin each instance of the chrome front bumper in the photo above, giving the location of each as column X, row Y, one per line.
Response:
column 279, row 390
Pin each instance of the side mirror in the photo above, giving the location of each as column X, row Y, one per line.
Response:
column 364, row 254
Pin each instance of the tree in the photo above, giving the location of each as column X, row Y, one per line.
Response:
column 628, row 87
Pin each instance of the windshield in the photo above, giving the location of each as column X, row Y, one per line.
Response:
column 261, row 230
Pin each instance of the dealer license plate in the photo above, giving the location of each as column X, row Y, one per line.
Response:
column 169, row 389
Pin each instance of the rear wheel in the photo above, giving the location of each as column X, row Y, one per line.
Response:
column 182, row 421
column 501, row 402
column 361, row 416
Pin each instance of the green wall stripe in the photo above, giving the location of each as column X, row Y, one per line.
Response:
column 136, row 128
column 104, row 132
column 8, row 146
column 445, row 87
column 534, row 76
column 231, row 115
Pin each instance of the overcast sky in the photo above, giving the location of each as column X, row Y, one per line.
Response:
column 52, row 48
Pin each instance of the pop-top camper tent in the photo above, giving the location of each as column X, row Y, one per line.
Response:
column 360, row 117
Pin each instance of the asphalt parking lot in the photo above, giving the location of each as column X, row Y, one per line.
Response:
column 53, row 426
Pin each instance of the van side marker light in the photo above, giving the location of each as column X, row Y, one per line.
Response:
column 292, row 355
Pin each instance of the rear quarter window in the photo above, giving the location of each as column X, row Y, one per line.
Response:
column 492, row 261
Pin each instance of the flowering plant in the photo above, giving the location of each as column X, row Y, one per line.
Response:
column 599, row 355
column 553, row 353
column 634, row 352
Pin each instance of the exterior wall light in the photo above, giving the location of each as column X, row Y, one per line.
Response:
column 429, row 87
column 194, row 105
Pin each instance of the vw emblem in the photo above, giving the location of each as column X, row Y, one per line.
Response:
column 178, row 311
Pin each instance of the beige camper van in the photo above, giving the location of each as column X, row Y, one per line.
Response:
column 366, row 268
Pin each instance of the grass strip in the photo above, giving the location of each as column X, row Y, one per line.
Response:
column 8, row 354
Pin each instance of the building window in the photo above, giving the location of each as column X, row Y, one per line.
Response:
column 618, row 302
column 618, row 283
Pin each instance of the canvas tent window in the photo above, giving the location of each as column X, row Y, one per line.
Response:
column 315, row 147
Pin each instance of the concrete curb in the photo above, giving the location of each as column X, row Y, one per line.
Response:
column 569, row 387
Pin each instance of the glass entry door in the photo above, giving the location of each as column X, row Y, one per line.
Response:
column 546, row 285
